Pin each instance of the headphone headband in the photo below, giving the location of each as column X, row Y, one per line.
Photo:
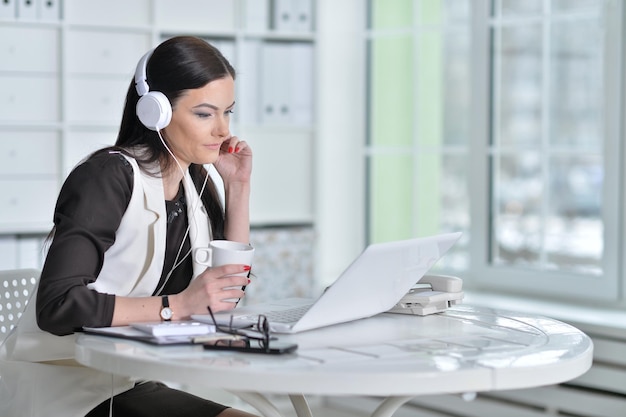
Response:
column 141, row 77
column 153, row 108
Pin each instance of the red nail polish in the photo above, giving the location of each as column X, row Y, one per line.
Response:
column 230, row 149
column 237, row 149
column 247, row 267
column 249, row 280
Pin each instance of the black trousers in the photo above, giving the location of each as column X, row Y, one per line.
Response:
column 152, row 399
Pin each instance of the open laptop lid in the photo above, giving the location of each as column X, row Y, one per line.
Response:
column 373, row 283
column 376, row 280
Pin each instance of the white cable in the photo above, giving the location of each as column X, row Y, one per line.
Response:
column 189, row 221
column 112, row 394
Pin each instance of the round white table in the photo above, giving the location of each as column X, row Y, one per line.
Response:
column 462, row 350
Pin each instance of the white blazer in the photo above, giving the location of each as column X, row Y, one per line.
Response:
column 38, row 374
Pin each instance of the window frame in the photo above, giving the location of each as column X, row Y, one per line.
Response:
column 554, row 284
column 483, row 276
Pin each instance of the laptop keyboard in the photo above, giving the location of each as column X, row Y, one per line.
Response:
column 287, row 316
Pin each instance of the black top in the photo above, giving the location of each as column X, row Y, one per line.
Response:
column 89, row 210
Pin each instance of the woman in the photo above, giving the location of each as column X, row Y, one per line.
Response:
column 126, row 222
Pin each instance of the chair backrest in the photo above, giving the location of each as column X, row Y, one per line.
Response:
column 16, row 286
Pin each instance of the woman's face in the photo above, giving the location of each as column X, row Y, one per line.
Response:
column 200, row 122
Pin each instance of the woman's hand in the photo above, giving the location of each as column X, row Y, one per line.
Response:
column 211, row 288
column 234, row 163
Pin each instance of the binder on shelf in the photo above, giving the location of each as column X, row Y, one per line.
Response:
column 282, row 15
column 275, row 83
column 302, row 15
column 286, row 94
column 256, row 15
column 301, row 85
column 292, row 15
column 8, row 9
column 194, row 15
column 49, row 10
column 27, row 9
column 249, row 81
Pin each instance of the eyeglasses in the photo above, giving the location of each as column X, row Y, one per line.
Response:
column 261, row 332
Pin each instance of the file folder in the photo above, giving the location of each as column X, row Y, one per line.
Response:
column 248, row 78
column 282, row 15
column 302, row 16
column 292, row 15
column 27, row 9
column 301, row 88
column 8, row 9
column 275, row 83
column 256, row 15
column 49, row 10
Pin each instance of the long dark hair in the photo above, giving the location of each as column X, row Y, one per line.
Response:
column 178, row 64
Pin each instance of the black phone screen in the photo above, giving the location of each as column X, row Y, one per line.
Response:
column 250, row 346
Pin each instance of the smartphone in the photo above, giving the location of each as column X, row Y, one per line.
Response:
column 250, row 346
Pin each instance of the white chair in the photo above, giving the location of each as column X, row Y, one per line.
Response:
column 16, row 287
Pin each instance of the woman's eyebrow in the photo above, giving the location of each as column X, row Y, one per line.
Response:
column 212, row 106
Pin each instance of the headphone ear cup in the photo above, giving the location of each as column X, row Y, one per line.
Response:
column 154, row 110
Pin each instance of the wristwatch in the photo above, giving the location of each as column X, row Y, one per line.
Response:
column 166, row 311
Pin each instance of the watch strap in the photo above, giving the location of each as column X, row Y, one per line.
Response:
column 166, row 312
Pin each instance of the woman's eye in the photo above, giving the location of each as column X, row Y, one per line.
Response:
column 229, row 112
column 203, row 115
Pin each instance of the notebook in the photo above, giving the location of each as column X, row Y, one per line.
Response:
column 373, row 283
column 174, row 328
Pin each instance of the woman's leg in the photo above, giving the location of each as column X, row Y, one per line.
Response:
column 151, row 399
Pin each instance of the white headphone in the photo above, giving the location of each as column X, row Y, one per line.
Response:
column 153, row 108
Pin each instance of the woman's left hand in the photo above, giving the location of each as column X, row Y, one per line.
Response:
column 234, row 163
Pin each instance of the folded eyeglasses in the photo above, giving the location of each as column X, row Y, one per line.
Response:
column 260, row 331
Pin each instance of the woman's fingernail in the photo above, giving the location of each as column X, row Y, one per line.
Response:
column 237, row 149
column 249, row 281
column 247, row 267
column 230, row 149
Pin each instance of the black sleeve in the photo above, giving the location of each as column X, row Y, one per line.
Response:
column 89, row 210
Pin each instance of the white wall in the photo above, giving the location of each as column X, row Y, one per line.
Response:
column 340, row 110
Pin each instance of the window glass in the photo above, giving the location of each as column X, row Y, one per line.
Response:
column 385, row 14
column 419, row 122
column 576, row 65
column 548, row 227
column 390, row 197
column 546, row 161
column 520, row 154
column 575, row 5
column 517, row 82
column 391, row 96
column 516, row 220
column 574, row 228
column 517, row 8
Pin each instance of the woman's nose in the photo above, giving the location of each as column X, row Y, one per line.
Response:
column 222, row 127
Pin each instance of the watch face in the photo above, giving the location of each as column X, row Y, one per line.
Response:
column 166, row 313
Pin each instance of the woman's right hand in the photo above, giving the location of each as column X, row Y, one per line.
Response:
column 216, row 287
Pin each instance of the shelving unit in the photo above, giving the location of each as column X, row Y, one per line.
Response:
column 66, row 66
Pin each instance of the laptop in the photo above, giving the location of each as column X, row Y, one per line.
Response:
column 373, row 283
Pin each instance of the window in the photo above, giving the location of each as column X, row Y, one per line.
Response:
column 500, row 119
column 419, row 119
